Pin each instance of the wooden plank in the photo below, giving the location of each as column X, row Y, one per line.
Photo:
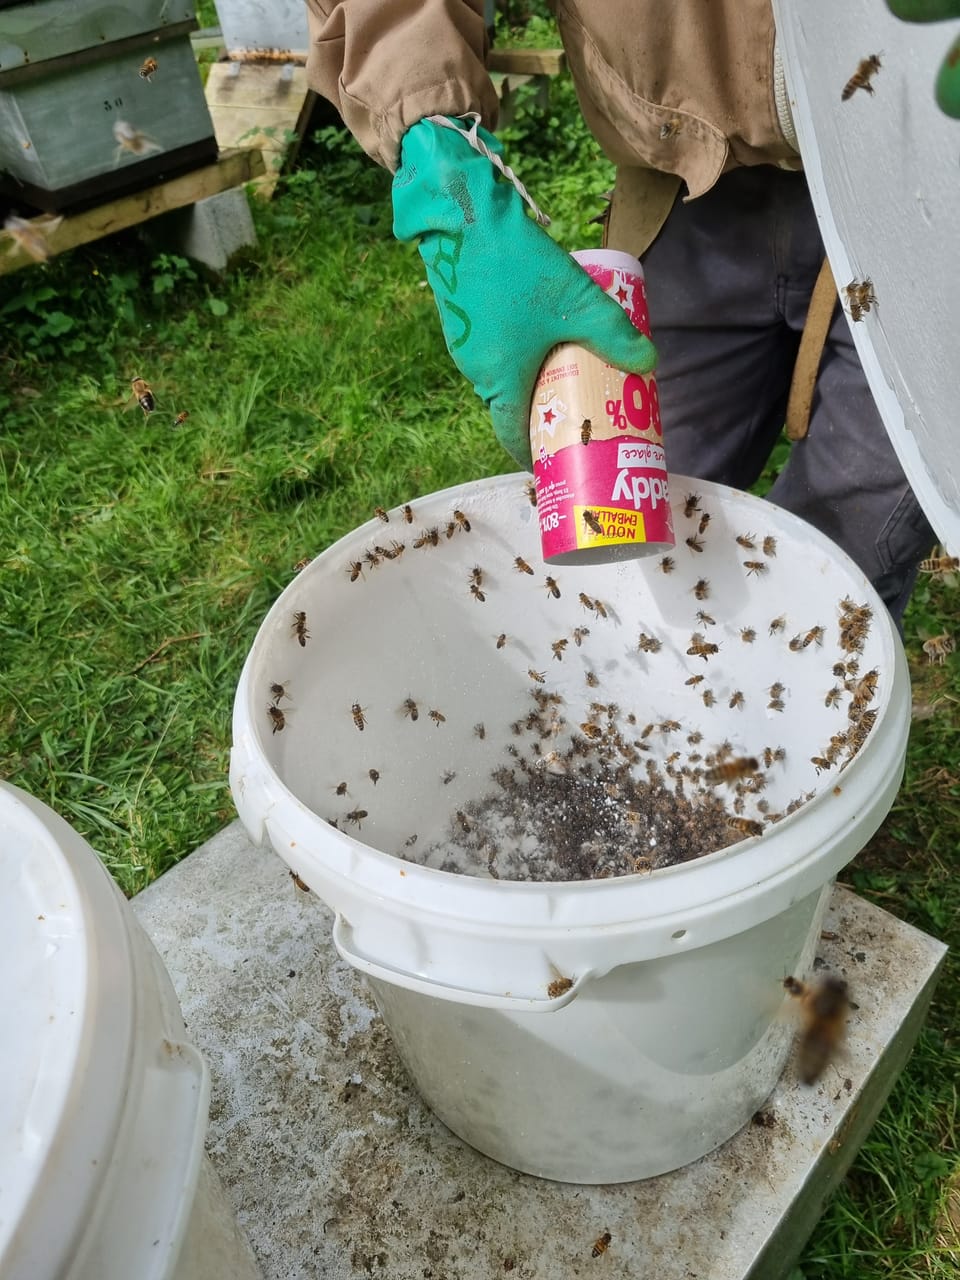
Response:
column 252, row 104
column 529, row 62
column 231, row 170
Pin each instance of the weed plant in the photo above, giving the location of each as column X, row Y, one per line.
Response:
column 137, row 560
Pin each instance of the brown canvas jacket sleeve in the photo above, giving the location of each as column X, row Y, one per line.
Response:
column 385, row 64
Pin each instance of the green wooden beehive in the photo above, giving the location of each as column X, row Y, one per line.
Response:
column 69, row 71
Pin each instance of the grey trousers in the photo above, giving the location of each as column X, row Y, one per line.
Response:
column 728, row 281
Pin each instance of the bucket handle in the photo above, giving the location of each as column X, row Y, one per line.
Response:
column 343, row 941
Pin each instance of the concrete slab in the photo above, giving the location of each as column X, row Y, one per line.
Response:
column 211, row 231
column 335, row 1167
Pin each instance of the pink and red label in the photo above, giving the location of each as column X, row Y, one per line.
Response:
column 597, row 441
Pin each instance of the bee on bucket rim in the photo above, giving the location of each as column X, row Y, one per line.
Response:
column 501, row 639
column 699, row 648
column 746, row 541
column 356, row 816
column 477, row 593
column 694, row 543
column 462, row 520
column 410, row 709
column 359, row 719
column 408, row 513
column 521, row 565
column 279, row 691
column 867, row 68
column 539, row 677
column 755, row 567
column 860, row 298
column 552, row 588
column 299, row 628
column 701, row 589
column 558, row 647
column 437, row 717
column 691, row 503
column 277, row 717
column 355, row 570
column 730, row 771
column 381, row 515
column 745, row 826
column 667, row 564
column 579, row 635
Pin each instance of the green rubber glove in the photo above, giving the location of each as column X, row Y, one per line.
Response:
column 948, row 80
column 505, row 291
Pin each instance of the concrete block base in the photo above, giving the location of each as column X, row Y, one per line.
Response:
column 212, row 230
column 336, row 1169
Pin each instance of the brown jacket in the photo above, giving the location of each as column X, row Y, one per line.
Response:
column 683, row 87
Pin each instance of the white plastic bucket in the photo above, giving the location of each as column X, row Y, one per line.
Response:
column 671, row 1034
column 104, row 1104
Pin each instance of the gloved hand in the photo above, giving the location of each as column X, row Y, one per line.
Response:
column 948, row 81
column 505, row 291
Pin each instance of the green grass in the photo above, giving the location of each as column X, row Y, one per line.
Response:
column 136, row 562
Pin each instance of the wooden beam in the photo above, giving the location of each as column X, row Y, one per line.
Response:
column 527, row 62
column 232, row 169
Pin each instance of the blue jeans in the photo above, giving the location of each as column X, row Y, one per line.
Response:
column 728, row 281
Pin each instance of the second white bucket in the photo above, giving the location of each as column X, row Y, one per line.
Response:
column 670, row 1030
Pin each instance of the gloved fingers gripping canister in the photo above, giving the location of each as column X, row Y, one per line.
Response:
column 947, row 88
column 506, row 293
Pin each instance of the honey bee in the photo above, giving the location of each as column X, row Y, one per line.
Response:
column 775, row 704
column 538, row 676
column 938, row 648
column 796, row 644
column 745, row 826
column 410, row 709
column 704, row 521
column 695, row 680
column 381, row 515
column 341, row 788
column 667, row 564
column 755, row 567
column 669, row 129
column 530, row 489
column 748, row 635
column 821, row 763
column 359, row 719
column 429, row 537
column 479, row 731
column 865, row 689
column 462, row 520
column 129, row 138
column 586, row 431
column 277, row 717
column 396, row 549
column 701, row 588
column 558, row 647
column 373, row 775
column 448, row 777
column 731, row 770
column 860, row 298
column 408, row 513
column 769, row 546
column 592, row 523
column 778, row 624
column 746, row 541
column 585, row 600
column 670, row 726
column 867, row 68
column 813, row 636
column 477, row 593
column 599, row 609
column 148, row 69
column 437, row 717
column 833, row 696
column 691, row 503
column 552, row 588
column 649, row 644
column 709, row 697
column 181, row 417
column 601, row 1244
column 694, row 543
column 940, row 566
column 521, row 565
column 579, row 635
column 706, row 619
column 30, row 237
column 279, row 691
column 299, row 628
column 776, row 689
column 591, row 679
column 736, row 700
column 356, row 816
column 451, row 528
column 501, row 639
column 591, row 730
column 699, row 648
column 145, row 398
column 559, row 987
column 824, row 1007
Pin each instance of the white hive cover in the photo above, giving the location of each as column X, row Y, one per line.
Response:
column 884, row 173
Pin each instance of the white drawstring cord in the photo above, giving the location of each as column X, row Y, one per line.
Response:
column 478, row 144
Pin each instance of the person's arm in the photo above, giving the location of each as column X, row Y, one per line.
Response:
column 385, row 64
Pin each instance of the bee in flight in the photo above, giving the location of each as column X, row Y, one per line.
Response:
column 181, row 417
column 592, row 523
column 359, row 719
column 31, row 236
column 824, row 1007
column 144, row 395
column 867, row 68
column 277, row 717
column 299, row 628
column 731, row 770
column 148, row 69
column 940, row 566
column 586, row 431
column 939, row 648
column 129, row 138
